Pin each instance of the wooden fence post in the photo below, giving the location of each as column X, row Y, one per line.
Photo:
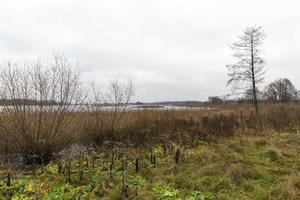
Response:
column 69, row 172
column 177, row 156
column 8, row 182
column 137, row 167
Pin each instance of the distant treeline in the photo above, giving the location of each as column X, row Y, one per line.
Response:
column 171, row 103
column 211, row 101
column 8, row 102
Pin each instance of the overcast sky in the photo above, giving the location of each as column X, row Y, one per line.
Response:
column 174, row 50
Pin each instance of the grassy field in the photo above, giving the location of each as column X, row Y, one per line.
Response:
column 258, row 166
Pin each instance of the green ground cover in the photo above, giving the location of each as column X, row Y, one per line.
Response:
column 261, row 167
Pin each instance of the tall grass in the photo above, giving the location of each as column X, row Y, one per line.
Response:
column 150, row 127
column 182, row 127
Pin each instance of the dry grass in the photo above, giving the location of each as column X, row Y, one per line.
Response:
column 180, row 127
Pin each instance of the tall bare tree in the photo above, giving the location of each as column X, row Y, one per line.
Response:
column 248, row 71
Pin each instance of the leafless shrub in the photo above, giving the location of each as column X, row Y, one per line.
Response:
column 37, row 99
column 108, row 109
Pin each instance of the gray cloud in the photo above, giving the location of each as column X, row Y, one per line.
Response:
column 174, row 49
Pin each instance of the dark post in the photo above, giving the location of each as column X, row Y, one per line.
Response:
column 137, row 167
column 8, row 182
column 177, row 156
column 165, row 149
column 69, row 171
column 151, row 157
column 154, row 160
column 87, row 161
column 59, row 168
column 80, row 172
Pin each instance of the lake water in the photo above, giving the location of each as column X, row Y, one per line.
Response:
column 86, row 108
